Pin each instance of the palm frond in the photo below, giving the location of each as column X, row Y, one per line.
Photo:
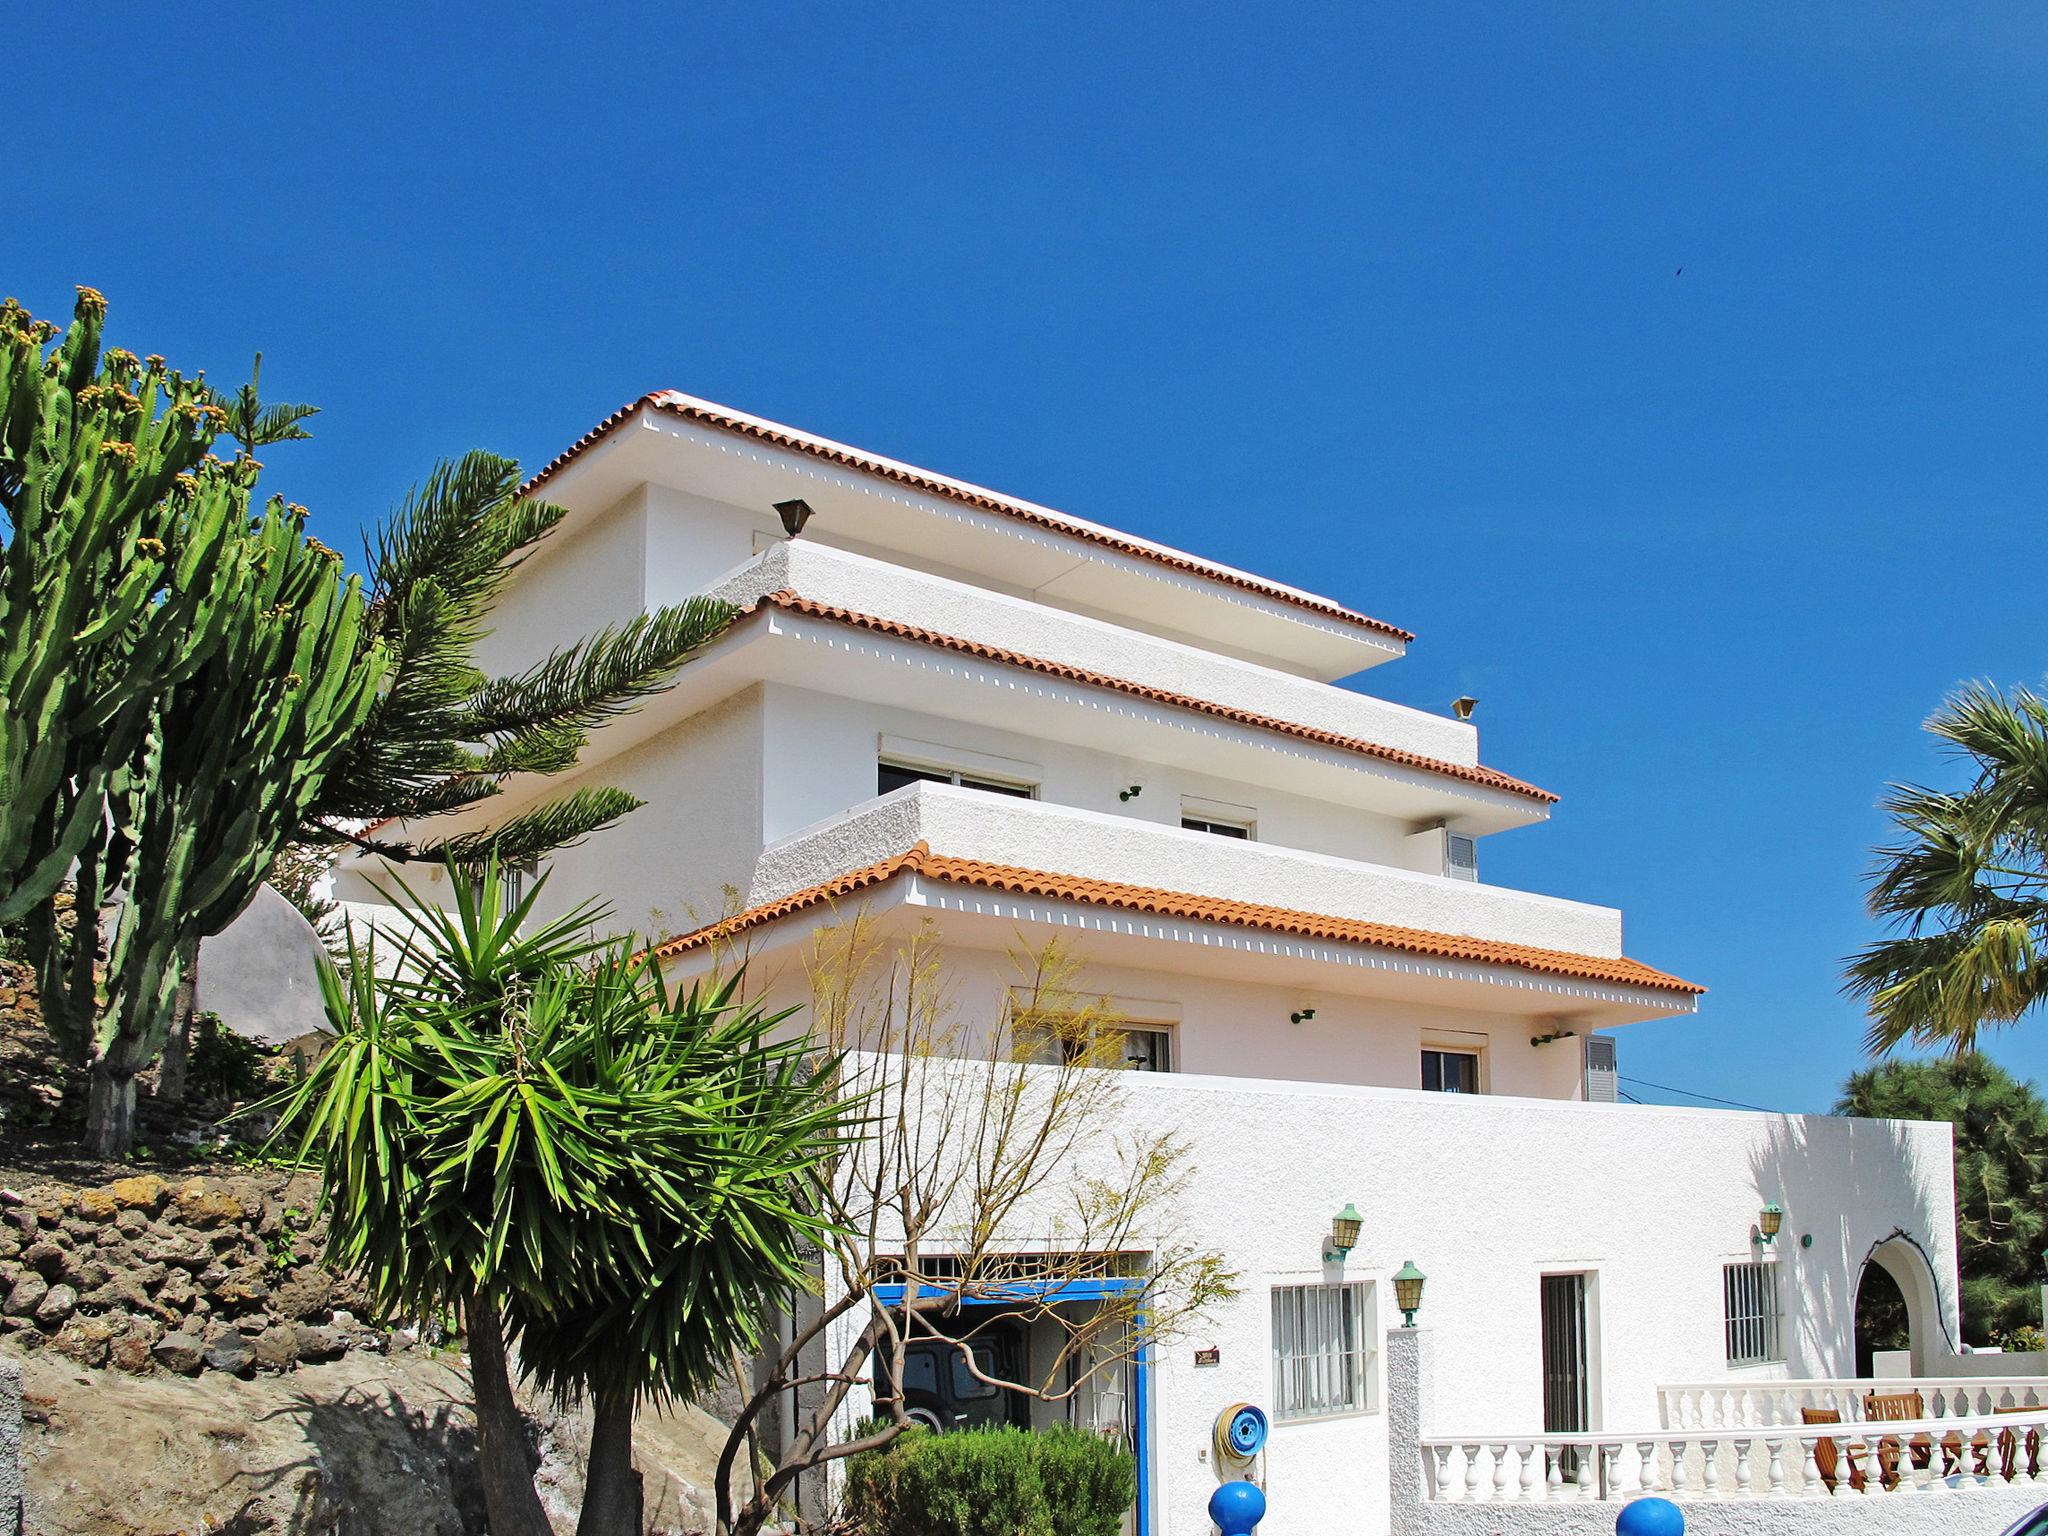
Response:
column 606, row 674
column 559, row 823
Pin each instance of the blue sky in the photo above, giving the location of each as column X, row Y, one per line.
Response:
column 1385, row 300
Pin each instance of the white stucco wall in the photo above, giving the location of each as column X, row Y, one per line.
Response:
column 823, row 751
column 1486, row 1195
column 1243, row 1029
column 975, row 612
column 1041, row 836
column 576, row 582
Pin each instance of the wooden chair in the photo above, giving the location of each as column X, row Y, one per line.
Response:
column 1825, row 1455
column 1898, row 1408
column 2009, row 1448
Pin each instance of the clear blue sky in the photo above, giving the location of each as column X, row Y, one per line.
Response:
column 1384, row 300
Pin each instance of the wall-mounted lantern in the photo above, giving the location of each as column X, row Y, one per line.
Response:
column 1132, row 793
column 1769, row 1221
column 1343, row 1235
column 1301, row 1015
column 1408, row 1292
column 794, row 514
column 1463, row 706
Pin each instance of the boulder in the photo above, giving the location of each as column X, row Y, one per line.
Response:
column 84, row 1339
column 27, row 1295
column 44, row 1257
column 179, row 1352
column 277, row 1348
column 317, row 1344
column 96, row 1204
column 59, row 1304
column 305, row 1293
column 206, row 1206
column 144, row 1192
column 231, row 1353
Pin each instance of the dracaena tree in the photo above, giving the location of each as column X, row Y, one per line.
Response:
column 523, row 1126
column 1965, row 885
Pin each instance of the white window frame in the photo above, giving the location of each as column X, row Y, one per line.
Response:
column 1211, row 814
column 1476, row 1050
column 1752, row 1312
column 1325, row 1350
column 957, row 763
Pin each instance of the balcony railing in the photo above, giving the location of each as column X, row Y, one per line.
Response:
column 1722, row 1404
column 1920, row 1457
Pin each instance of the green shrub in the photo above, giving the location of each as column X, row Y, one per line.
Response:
column 992, row 1482
column 969, row 1483
column 1088, row 1483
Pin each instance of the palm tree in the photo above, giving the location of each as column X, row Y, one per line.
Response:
column 1966, row 886
column 446, row 736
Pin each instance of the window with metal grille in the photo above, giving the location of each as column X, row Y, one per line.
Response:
column 1749, row 1294
column 1323, row 1355
column 1461, row 856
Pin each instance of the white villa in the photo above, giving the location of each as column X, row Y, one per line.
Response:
column 945, row 703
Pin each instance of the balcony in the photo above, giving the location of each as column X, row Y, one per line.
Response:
column 1114, row 861
column 900, row 596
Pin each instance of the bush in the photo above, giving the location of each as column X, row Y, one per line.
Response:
column 1088, row 1482
column 992, row 1482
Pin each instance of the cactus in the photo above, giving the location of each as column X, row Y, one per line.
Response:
column 124, row 567
column 233, row 756
column 176, row 682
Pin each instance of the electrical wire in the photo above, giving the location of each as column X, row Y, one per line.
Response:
column 1688, row 1093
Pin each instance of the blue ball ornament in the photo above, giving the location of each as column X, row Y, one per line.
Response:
column 1237, row 1508
column 1650, row 1517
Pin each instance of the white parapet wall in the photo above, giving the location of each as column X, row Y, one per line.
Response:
column 1090, row 845
column 1965, row 1474
column 885, row 590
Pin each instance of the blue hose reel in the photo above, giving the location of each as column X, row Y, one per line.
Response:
column 1241, row 1431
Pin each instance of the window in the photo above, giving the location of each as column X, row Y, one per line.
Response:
column 519, row 880
column 1128, row 1047
column 1461, row 856
column 1323, row 1354
column 1749, row 1296
column 1450, row 1071
column 1217, row 828
column 890, row 776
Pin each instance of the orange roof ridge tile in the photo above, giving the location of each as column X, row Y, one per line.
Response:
column 919, row 859
column 1488, row 777
column 704, row 414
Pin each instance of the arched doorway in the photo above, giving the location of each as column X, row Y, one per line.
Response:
column 1897, row 1304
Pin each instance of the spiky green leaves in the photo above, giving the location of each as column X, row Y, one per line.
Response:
column 521, row 1110
column 1966, row 884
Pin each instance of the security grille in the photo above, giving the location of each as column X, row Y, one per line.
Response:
column 1602, row 1080
column 1750, row 1307
column 1322, row 1349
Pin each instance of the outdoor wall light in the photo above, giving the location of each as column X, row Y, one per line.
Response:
column 1408, row 1292
column 1301, row 1015
column 1770, row 1220
column 1132, row 793
column 1463, row 707
column 1343, row 1235
column 794, row 514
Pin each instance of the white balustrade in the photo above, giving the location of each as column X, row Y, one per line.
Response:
column 1763, row 1404
column 1937, row 1454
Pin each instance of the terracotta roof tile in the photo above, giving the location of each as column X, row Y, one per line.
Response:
column 673, row 404
column 920, row 860
column 1488, row 777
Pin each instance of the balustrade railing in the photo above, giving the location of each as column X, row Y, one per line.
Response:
column 1724, row 1404
column 1931, row 1457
